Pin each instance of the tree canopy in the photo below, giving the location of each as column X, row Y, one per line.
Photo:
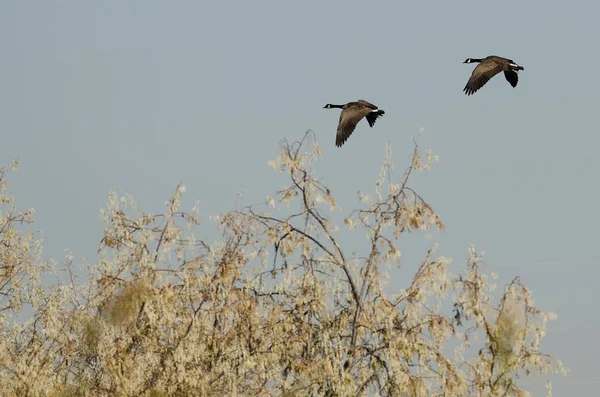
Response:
column 279, row 306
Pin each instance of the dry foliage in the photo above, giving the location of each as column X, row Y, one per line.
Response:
column 277, row 307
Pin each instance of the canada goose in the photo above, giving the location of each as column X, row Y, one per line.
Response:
column 352, row 113
column 489, row 67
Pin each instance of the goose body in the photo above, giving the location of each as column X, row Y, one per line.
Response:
column 352, row 113
column 489, row 67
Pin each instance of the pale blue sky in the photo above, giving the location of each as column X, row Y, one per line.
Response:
column 144, row 95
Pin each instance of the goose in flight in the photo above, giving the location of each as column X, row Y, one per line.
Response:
column 352, row 113
column 489, row 67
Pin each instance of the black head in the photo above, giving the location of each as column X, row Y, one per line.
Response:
column 328, row 106
column 468, row 60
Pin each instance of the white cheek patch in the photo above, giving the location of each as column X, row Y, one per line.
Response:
column 514, row 65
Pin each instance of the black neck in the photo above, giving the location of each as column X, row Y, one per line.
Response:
column 476, row 60
column 337, row 106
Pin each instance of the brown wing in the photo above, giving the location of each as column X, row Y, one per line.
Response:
column 348, row 120
column 481, row 75
column 512, row 77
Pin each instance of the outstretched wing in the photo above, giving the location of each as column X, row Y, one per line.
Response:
column 481, row 75
column 348, row 120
